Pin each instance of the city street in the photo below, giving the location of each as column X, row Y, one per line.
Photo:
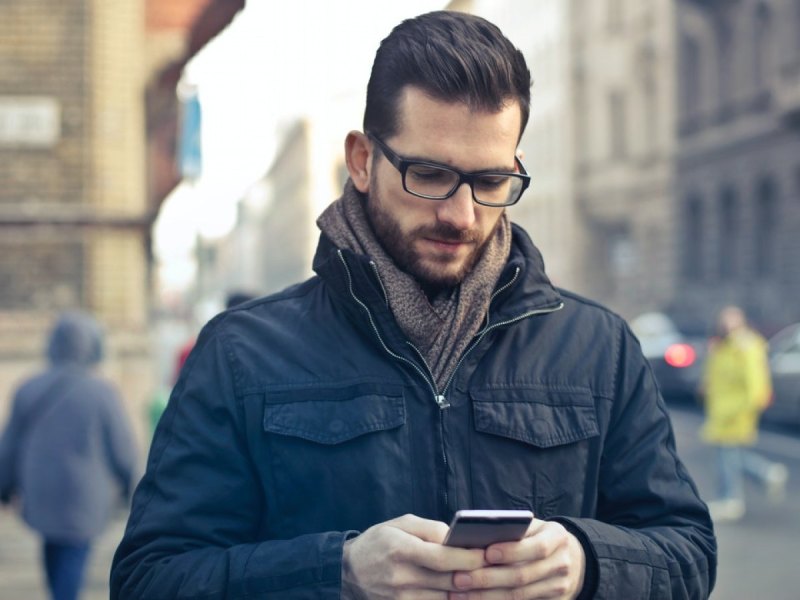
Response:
column 20, row 575
column 758, row 555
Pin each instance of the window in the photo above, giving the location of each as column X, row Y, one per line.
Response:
column 797, row 184
column 691, row 79
column 762, row 50
column 692, row 242
column 766, row 221
column 649, row 93
column 796, row 27
column 729, row 235
column 581, row 133
column 652, row 117
column 615, row 15
column 621, row 251
column 617, row 133
column 725, row 69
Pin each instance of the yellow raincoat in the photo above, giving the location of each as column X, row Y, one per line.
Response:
column 737, row 388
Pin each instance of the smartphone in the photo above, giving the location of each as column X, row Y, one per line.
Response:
column 481, row 528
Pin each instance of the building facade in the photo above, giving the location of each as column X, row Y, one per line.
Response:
column 687, row 164
column 738, row 164
column 663, row 149
column 678, row 186
column 73, row 216
column 86, row 157
column 623, row 115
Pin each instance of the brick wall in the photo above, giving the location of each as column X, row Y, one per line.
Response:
column 59, row 246
column 43, row 53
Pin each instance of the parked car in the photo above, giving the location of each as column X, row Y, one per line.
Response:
column 784, row 363
column 676, row 349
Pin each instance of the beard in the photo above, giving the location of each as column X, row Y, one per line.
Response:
column 434, row 273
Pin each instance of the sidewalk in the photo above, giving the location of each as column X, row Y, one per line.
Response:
column 21, row 577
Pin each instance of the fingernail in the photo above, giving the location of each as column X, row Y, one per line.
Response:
column 458, row 596
column 462, row 580
column 494, row 555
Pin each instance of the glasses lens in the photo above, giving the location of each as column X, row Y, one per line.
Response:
column 497, row 188
column 431, row 181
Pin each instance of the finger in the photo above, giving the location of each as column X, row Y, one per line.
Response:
column 418, row 578
column 419, row 594
column 424, row 529
column 414, row 548
column 534, row 528
column 548, row 537
column 446, row 559
column 510, row 576
column 557, row 587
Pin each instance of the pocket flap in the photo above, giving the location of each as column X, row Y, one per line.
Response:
column 540, row 416
column 333, row 416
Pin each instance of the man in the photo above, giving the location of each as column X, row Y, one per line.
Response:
column 319, row 440
column 737, row 388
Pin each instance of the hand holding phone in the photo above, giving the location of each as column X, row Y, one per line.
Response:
column 481, row 528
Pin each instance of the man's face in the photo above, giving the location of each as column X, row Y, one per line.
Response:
column 439, row 241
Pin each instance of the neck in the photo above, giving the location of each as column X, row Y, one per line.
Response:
column 435, row 292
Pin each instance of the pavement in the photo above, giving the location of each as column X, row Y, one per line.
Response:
column 757, row 556
column 21, row 576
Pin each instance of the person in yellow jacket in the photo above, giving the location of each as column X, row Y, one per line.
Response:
column 737, row 388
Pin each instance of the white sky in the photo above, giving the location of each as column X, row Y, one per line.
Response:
column 277, row 60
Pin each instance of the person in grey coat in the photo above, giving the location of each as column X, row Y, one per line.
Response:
column 67, row 454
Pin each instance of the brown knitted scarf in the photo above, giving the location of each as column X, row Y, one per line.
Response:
column 441, row 330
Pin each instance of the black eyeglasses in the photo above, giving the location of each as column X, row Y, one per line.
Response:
column 438, row 182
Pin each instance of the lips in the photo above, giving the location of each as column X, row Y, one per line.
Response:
column 447, row 246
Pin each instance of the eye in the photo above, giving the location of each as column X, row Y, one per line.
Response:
column 428, row 174
column 491, row 182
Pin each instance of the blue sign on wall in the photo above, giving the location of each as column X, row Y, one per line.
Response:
column 190, row 158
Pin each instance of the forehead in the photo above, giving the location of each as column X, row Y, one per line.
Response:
column 455, row 134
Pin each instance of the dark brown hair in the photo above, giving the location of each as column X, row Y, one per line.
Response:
column 451, row 56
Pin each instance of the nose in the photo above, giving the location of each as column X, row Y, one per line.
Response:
column 459, row 209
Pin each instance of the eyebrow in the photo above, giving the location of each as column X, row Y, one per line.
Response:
column 436, row 163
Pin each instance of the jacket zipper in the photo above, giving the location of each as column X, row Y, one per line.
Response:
column 481, row 334
column 428, row 378
column 440, row 399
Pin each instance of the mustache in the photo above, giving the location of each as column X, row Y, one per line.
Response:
column 447, row 233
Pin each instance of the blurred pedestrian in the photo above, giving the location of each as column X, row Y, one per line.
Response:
column 158, row 402
column 737, row 389
column 236, row 297
column 67, row 452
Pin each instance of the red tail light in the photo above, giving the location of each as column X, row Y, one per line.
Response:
column 680, row 355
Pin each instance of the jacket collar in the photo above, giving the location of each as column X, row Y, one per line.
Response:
column 532, row 289
column 523, row 284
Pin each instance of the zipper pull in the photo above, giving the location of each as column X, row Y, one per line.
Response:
column 442, row 401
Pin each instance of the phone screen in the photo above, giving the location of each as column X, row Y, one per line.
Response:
column 481, row 528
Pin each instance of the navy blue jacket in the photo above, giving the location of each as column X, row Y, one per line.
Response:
column 68, row 451
column 305, row 417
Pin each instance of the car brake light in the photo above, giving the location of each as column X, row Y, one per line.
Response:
column 679, row 355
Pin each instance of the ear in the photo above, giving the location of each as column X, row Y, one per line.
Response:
column 358, row 156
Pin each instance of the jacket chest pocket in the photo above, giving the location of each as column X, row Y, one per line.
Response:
column 533, row 448
column 338, row 457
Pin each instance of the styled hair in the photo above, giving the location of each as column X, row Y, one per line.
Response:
column 452, row 57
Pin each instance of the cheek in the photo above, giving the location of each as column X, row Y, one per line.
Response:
column 487, row 218
column 409, row 212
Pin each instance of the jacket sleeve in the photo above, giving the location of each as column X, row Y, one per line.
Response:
column 194, row 526
column 119, row 442
column 757, row 374
column 652, row 536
